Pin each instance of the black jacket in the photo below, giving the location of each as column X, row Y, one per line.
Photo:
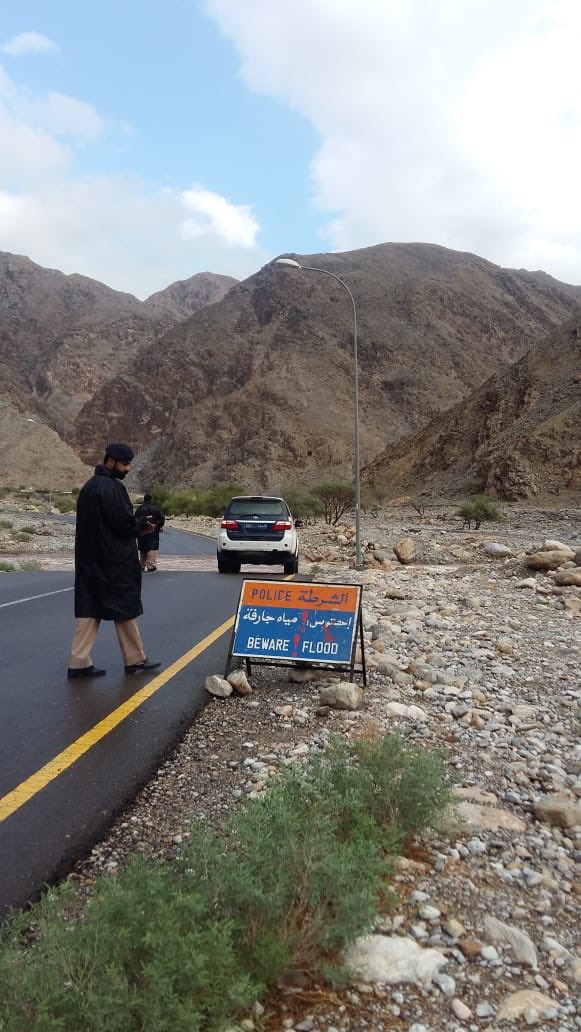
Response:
column 107, row 571
column 149, row 542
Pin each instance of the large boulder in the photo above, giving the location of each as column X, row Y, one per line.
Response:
column 549, row 559
column 405, row 550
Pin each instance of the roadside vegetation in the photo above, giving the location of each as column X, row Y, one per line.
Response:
column 285, row 884
column 477, row 510
column 331, row 499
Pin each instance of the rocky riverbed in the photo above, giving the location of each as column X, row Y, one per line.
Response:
column 473, row 647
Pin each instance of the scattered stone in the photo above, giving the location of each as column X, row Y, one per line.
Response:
column 559, row 810
column 497, row 550
column 218, row 686
column 391, row 959
column 522, row 946
column 344, row 696
column 518, row 1004
column 239, row 682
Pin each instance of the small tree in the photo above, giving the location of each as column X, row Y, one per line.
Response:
column 337, row 497
column 304, row 505
column 479, row 509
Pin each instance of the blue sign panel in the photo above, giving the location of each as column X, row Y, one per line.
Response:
column 297, row 622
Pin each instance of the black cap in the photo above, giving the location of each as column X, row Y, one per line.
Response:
column 120, row 452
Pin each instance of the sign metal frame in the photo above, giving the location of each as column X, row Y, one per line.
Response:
column 298, row 623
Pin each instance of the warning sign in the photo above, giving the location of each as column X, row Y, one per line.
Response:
column 286, row 620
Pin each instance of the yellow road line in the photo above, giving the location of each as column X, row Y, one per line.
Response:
column 20, row 795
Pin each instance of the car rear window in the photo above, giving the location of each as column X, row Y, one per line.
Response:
column 262, row 507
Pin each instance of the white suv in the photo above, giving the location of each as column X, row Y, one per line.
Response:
column 257, row 529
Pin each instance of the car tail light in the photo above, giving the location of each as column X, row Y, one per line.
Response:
column 229, row 525
column 282, row 525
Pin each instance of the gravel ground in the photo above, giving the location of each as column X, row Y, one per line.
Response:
column 467, row 651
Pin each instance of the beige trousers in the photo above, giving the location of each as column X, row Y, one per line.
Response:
column 148, row 560
column 86, row 628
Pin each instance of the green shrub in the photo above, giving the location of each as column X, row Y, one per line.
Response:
column 292, row 877
column 146, row 955
column 338, row 498
column 304, row 505
column 216, row 499
column 197, row 502
column 287, row 882
column 64, row 503
column 6, row 524
column 6, row 568
column 28, row 529
column 372, row 498
column 479, row 509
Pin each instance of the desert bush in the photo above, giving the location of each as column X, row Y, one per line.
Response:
column 6, row 524
column 6, row 567
column 338, row 498
column 64, row 503
column 197, row 502
column 146, row 955
column 217, row 498
column 287, row 881
column 372, row 498
column 291, row 878
column 304, row 505
column 479, row 509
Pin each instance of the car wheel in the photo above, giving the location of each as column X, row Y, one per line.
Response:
column 226, row 566
column 291, row 565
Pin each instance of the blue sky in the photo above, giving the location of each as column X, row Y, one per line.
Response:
column 141, row 143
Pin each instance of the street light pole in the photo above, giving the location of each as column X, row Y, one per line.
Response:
column 356, row 470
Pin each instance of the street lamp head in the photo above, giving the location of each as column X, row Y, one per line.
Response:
column 288, row 261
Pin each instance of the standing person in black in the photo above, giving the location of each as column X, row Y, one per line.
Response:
column 148, row 540
column 107, row 573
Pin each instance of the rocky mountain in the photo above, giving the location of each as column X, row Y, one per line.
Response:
column 253, row 382
column 258, row 388
column 63, row 338
column 517, row 437
column 178, row 301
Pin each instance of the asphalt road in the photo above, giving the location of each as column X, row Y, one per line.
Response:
column 73, row 753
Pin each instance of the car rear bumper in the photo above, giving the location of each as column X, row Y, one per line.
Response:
column 241, row 551
column 238, row 548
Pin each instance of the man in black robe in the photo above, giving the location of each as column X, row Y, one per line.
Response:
column 107, row 571
column 148, row 540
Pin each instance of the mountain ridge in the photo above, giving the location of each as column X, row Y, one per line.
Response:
column 256, row 384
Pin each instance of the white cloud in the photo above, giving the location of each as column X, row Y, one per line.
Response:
column 119, row 230
column 31, row 128
column 27, row 153
column 439, row 120
column 122, row 230
column 64, row 116
column 28, row 43
column 210, row 214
